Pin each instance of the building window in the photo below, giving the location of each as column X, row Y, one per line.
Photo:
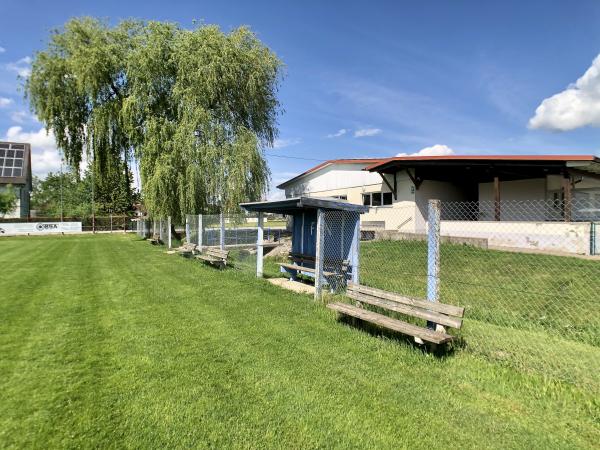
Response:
column 387, row 198
column 341, row 197
column 378, row 199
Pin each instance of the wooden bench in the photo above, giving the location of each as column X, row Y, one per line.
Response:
column 155, row 239
column 440, row 315
column 187, row 249
column 215, row 256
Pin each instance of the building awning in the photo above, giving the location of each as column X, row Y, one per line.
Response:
column 298, row 204
column 483, row 168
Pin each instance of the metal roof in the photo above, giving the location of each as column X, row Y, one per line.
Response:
column 296, row 204
column 516, row 159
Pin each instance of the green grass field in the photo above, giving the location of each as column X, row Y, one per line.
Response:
column 108, row 342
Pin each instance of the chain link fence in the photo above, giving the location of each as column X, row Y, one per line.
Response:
column 340, row 249
column 236, row 233
column 527, row 272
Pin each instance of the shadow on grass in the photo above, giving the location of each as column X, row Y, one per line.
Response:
column 440, row 351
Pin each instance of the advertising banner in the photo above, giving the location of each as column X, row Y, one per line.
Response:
column 9, row 229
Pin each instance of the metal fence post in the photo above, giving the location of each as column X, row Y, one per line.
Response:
column 433, row 254
column 169, row 231
column 200, row 231
column 356, row 252
column 222, row 234
column 187, row 229
column 259, row 246
column 319, row 255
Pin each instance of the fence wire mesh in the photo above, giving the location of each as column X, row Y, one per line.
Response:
column 236, row 233
column 340, row 249
column 529, row 281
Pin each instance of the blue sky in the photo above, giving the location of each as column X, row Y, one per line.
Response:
column 372, row 79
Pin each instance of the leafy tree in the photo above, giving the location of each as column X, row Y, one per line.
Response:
column 110, row 195
column 195, row 108
column 8, row 200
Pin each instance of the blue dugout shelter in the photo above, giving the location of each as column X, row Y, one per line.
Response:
column 325, row 238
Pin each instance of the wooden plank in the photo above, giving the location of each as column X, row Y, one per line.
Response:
column 431, row 316
column 392, row 324
column 451, row 310
column 305, row 269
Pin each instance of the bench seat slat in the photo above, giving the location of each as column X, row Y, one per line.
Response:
column 451, row 310
column 392, row 324
column 209, row 258
column 442, row 319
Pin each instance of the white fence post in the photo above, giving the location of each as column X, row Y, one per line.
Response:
column 169, row 231
column 356, row 252
column 319, row 255
column 200, row 231
column 433, row 254
column 259, row 246
column 187, row 229
column 222, row 233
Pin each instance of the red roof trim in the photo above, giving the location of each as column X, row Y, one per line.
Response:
column 372, row 161
column 485, row 158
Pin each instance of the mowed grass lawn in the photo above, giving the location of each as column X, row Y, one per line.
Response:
column 106, row 341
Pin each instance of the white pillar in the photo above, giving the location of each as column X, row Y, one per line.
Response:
column 259, row 246
column 222, row 234
column 187, row 229
column 200, row 232
column 319, row 255
column 355, row 259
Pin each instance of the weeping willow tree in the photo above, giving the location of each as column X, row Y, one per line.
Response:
column 193, row 108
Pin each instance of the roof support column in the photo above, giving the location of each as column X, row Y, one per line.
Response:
column 568, row 197
column 497, row 207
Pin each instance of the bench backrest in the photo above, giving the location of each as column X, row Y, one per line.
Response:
column 218, row 253
column 441, row 313
column 299, row 257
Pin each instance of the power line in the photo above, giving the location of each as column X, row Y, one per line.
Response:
column 297, row 157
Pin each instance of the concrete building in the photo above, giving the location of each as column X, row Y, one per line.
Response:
column 15, row 170
column 514, row 189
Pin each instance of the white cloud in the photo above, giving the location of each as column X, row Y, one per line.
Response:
column 339, row 133
column 434, row 150
column 4, row 102
column 19, row 117
column 281, row 143
column 575, row 107
column 45, row 157
column 2, row 49
column 364, row 132
column 22, row 67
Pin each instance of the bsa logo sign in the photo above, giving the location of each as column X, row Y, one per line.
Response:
column 46, row 227
column 10, row 229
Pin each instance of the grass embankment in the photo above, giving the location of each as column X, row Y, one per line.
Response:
column 108, row 342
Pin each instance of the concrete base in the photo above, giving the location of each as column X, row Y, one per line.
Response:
column 295, row 286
